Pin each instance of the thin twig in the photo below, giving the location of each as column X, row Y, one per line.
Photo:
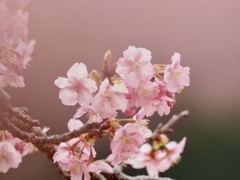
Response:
column 167, row 128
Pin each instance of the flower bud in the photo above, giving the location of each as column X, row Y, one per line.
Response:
column 161, row 140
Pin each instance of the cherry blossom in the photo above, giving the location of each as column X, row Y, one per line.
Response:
column 159, row 160
column 15, row 47
column 142, row 124
column 152, row 160
column 76, row 156
column 109, row 99
column 135, row 66
column 12, row 150
column 133, row 87
column 11, row 79
column 92, row 114
column 141, row 96
column 125, row 144
column 176, row 76
column 9, row 157
column 64, row 154
column 159, row 105
column 146, row 92
column 152, row 96
column 150, row 93
column 174, row 150
column 77, row 87
column 21, row 146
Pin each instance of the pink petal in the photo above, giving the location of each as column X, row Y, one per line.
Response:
column 68, row 96
column 77, row 70
column 61, row 82
column 98, row 166
column 146, row 148
column 81, row 111
column 152, row 171
column 10, row 157
column 74, row 124
column 120, row 87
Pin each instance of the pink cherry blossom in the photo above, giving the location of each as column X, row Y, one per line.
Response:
column 75, row 156
column 80, row 171
column 15, row 47
column 159, row 105
column 125, row 157
column 135, row 66
column 125, row 144
column 11, row 79
column 174, row 150
column 146, row 92
column 162, row 103
column 64, row 154
column 92, row 114
column 152, row 160
column 176, row 76
column 109, row 99
column 77, row 87
column 151, row 96
column 22, row 147
column 25, row 49
column 157, row 161
column 141, row 96
column 126, row 138
column 142, row 124
column 9, row 157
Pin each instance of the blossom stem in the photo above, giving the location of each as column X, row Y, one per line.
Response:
column 126, row 120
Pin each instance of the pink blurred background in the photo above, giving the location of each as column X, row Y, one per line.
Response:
column 206, row 34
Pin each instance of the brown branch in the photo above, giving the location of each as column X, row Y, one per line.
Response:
column 21, row 125
column 21, row 113
column 167, row 128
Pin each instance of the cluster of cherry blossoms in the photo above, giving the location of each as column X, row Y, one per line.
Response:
column 12, row 150
column 15, row 47
column 134, row 88
column 15, row 51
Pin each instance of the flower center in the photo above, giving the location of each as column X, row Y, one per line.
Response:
column 3, row 154
column 77, row 87
column 177, row 73
column 108, row 100
column 126, row 141
column 143, row 92
column 136, row 66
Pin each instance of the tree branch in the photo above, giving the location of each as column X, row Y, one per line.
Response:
column 167, row 128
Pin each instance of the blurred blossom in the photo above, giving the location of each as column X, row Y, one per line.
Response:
column 15, row 47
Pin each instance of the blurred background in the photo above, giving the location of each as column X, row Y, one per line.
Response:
column 206, row 34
